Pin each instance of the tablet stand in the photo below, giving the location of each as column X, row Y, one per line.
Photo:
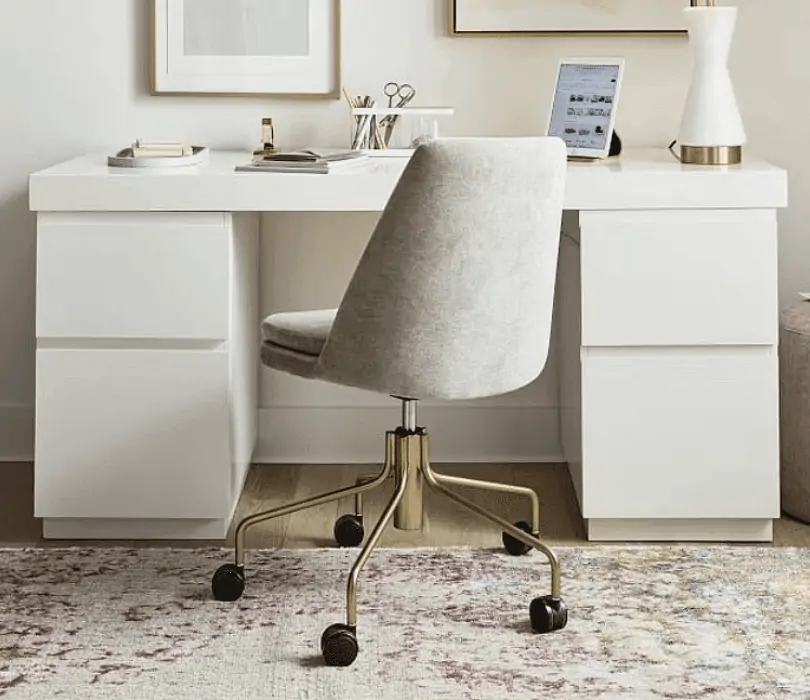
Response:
column 614, row 151
column 615, row 145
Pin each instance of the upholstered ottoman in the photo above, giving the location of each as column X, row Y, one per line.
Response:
column 795, row 410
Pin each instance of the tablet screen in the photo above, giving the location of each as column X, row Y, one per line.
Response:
column 583, row 105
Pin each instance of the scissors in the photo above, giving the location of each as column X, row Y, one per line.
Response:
column 405, row 92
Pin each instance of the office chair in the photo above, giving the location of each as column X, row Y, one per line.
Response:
column 452, row 299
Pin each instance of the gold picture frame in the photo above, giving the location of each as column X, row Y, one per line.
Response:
column 454, row 31
column 333, row 93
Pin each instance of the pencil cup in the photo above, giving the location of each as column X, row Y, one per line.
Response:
column 395, row 129
column 423, row 128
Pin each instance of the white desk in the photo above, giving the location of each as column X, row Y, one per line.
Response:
column 147, row 370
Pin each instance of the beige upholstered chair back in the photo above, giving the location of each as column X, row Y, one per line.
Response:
column 453, row 296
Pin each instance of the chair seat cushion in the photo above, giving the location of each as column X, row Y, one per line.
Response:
column 300, row 331
column 289, row 361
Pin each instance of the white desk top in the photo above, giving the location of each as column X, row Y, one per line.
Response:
column 639, row 179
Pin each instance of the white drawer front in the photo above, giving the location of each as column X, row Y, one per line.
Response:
column 132, row 434
column 133, row 276
column 679, row 278
column 681, row 433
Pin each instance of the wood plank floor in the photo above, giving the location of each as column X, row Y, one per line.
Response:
column 446, row 524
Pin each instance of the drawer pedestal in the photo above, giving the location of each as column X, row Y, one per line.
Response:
column 144, row 325
column 669, row 383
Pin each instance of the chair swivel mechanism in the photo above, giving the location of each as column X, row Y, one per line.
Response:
column 451, row 300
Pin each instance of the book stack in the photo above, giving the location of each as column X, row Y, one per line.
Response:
column 160, row 149
column 307, row 160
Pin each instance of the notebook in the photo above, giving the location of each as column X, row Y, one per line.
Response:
column 305, row 160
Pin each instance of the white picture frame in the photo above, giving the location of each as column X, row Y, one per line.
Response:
column 222, row 47
column 553, row 17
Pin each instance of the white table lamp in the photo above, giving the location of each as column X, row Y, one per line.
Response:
column 712, row 131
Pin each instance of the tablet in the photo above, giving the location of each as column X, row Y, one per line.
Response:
column 586, row 98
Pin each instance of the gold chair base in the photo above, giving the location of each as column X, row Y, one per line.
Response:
column 407, row 459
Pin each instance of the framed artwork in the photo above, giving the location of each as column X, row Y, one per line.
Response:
column 549, row 17
column 288, row 48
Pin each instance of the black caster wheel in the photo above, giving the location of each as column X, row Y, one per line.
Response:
column 228, row 582
column 548, row 614
column 349, row 530
column 339, row 645
column 515, row 547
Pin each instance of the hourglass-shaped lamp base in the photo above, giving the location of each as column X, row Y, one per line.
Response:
column 712, row 131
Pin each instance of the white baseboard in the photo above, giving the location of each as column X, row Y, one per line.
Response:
column 16, row 433
column 355, row 434
column 697, row 530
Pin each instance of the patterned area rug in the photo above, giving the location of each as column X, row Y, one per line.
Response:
column 646, row 622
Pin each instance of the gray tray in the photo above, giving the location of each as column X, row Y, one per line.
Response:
column 125, row 159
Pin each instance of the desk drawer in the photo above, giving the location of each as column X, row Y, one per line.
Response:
column 133, row 276
column 132, row 434
column 679, row 278
column 680, row 433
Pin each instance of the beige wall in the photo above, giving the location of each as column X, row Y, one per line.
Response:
column 73, row 77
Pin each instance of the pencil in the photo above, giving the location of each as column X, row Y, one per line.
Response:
column 378, row 132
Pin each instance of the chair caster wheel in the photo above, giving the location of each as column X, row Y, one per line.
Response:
column 515, row 547
column 228, row 582
column 349, row 530
column 548, row 614
column 339, row 645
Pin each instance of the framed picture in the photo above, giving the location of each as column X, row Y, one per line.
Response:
column 549, row 17
column 288, row 48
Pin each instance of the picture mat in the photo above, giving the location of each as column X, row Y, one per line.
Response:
column 527, row 16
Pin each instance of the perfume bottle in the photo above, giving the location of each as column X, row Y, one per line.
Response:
column 268, row 138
